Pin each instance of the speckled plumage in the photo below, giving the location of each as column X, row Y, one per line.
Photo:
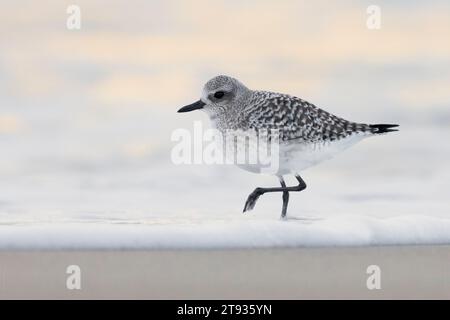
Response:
column 305, row 131
column 307, row 134
column 298, row 119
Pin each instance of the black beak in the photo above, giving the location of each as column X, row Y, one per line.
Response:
column 194, row 106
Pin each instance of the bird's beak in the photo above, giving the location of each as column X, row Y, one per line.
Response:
column 194, row 106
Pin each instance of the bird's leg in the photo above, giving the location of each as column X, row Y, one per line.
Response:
column 285, row 198
column 253, row 197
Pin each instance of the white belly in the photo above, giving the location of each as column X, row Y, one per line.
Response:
column 297, row 157
column 290, row 158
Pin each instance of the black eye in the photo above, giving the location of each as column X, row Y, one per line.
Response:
column 219, row 94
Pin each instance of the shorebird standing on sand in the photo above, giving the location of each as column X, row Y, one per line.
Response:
column 307, row 134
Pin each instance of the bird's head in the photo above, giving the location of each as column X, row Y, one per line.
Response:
column 221, row 93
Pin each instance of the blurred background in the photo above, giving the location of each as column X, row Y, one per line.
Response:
column 86, row 115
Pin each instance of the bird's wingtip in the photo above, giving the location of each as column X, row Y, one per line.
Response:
column 383, row 128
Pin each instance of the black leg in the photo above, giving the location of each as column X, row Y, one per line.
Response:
column 254, row 196
column 285, row 198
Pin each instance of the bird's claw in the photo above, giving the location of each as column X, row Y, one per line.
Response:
column 251, row 200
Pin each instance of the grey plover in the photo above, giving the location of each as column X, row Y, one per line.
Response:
column 307, row 134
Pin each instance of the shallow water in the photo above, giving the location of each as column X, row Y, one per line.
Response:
column 58, row 185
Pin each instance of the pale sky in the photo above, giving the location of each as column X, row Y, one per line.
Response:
column 157, row 54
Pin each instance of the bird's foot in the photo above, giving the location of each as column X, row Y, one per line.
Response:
column 252, row 198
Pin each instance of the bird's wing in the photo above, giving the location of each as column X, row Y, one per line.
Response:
column 296, row 118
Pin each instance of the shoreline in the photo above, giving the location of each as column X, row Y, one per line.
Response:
column 239, row 233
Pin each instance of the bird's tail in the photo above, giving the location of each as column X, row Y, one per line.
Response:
column 382, row 128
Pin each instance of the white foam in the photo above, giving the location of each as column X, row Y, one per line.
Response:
column 346, row 230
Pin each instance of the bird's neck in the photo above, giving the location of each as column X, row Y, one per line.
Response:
column 224, row 120
column 233, row 118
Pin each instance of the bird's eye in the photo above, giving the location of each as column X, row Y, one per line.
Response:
column 219, row 94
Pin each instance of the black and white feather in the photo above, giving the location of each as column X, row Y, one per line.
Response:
column 307, row 133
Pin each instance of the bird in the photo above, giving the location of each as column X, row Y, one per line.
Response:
column 307, row 135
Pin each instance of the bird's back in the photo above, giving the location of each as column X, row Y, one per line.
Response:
column 308, row 134
column 297, row 119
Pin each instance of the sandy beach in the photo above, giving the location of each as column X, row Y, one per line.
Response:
column 407, row 272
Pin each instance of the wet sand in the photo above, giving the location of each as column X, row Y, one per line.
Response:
column 407, row 272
